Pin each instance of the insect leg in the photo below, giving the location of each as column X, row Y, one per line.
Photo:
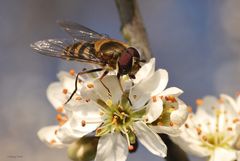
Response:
column 102, row 76
column 76, row 80
column 119, row 81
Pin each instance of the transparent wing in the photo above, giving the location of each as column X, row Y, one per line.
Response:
column 58, row 48
column 80, row 32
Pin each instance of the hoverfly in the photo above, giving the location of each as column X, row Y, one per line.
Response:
column 91, row 47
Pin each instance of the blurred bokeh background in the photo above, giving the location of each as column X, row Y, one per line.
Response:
column 196, row 41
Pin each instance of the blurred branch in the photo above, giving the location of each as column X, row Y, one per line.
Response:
column 134, row 32
column 132, row 26
column 174, row 151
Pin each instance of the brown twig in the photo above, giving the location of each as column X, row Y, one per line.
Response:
column 132, row 26
column 134, row 32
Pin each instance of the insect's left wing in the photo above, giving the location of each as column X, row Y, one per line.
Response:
column 58, row 48
column 80, row 32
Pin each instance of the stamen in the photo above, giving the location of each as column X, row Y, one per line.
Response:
column 109, row 102
column 72, row 72
column 78, row 98
column 186, row 125
column 90, row 85
column 52, row 141
column 83, row 123
column 199, row 131
column 130, row 147
column 60, row 109
column 189, row 109
column 171, row 99
column 199, row 102
column 65, row 91
column 235, row 120
column 154, row 99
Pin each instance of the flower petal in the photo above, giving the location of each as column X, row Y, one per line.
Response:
column 55, row 95
column 179, row 116
column 221, row 154
column 98, row 91
column 67, row 81
column 150, row 139
column 154, row 109
column 151, row 86
column 85, row 118
column 112, row 147
column 145, row 71
column 47, row 135
column 172, row 91
column 172, row 131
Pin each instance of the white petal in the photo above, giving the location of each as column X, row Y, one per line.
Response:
column 98, row 91
column 150, row 139
column 152, row 86
column 172, row 131
column 112, row 83
column 221, row 154
column 67, row 81
column 172, row 91
column 145, row 71
column 47, row 135
column 55, row 95
column 112, row 147
column 88, row 113
column 180, row 115
column 154, row 109
column 233, row 104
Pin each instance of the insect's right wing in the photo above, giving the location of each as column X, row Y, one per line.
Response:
column 58, row 48
column 80, row 32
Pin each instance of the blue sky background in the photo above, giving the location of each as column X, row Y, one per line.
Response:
column 196, row 41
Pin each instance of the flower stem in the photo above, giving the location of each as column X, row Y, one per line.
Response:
column 134, row 32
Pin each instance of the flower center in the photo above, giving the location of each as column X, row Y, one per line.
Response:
column 119, row 118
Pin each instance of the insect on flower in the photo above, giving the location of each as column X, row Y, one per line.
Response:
column 91, row 47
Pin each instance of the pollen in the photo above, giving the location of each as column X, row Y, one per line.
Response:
column 235, row 120
column 130, row 147
column 65, row 91
column 78, row 98
column 109, row 102
column 186, row 125
column 83, row 123
column 60, row 109
column 154, row 98
column 72, row 72
column 199, row 131
column 199, row 102
column 229, row 128
column 189, row 109
column 171, row 123
column 52, row 141
column 171, row 99
column 90, row 85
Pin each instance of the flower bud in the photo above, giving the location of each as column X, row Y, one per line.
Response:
column 84, row 149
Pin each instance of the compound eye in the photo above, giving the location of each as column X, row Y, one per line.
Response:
column 133, row 52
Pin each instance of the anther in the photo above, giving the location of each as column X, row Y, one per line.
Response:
column 186, row 125
column 171, row 123
column 170, row 98
column 109, row 102
column 189, row 109
column 199, row 102
column 130, row 147
column 204, row 138
column 60, row 109
column 83, row 123
column 199, row 131
column 229, row 129
column 90, row 85
column 72, row 72
column 78, row 98
column 154, row 99
column 52, row 141
column 65, row 91
column 235, row 120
